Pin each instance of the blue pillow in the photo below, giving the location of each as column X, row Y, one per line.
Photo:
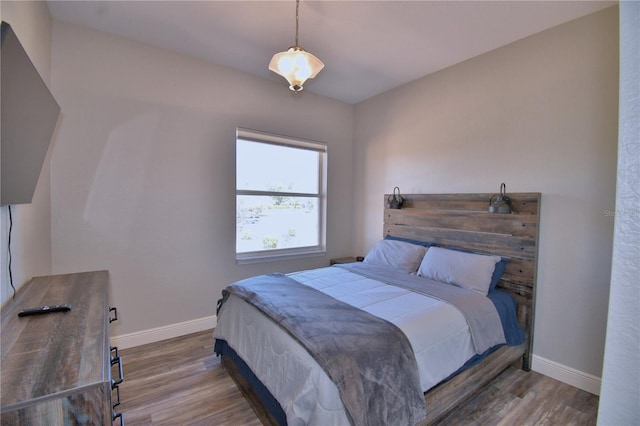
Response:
column 497, row 273
column 408, row 240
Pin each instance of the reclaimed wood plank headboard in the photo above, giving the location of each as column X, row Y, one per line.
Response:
column 462, row 221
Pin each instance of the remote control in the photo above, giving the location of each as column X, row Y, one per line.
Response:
column 44, row 310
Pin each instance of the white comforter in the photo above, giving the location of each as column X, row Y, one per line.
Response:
column 437, row 331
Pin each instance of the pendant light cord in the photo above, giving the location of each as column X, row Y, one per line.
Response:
column 297, row 16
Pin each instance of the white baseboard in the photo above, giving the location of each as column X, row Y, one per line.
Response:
column 162, row 333
column 568, row 375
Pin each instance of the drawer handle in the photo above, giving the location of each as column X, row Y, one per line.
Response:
column 114, row 358
column 117, row 360
column 121, row 378
column 114, row 386
column 115, row 416
column 115, row 314
column 117, row 389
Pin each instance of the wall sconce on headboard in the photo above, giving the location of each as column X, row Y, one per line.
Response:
column 500, row 203
column 395, row 200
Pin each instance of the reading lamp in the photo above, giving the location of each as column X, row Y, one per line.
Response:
column 500, row 203
column 395, row 200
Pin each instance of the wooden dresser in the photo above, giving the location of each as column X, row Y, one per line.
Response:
column 57, row 367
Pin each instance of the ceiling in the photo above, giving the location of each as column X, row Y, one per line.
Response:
column 368, row 47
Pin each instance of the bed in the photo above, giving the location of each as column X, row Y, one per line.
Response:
column 452, row 354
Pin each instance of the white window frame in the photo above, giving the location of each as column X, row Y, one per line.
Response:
column 321, row 196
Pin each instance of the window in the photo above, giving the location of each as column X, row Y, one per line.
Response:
column 280, row 196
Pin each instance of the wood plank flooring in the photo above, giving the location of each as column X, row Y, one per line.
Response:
column 181, row 382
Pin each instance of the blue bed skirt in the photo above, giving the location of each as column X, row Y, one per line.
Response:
column 270, row 403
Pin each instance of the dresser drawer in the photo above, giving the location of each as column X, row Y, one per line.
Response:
column 57, row 367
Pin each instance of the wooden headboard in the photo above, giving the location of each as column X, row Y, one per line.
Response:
column 462, row 221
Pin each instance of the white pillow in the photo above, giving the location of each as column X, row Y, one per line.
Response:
column 396, row 255
column 468, row 270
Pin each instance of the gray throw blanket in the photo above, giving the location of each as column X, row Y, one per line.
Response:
column 480, row 313
column 369, row 359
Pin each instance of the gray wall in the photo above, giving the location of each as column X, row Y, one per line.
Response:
column 143, row 171
column 540, row 115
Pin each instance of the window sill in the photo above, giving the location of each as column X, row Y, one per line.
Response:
column 277, row 257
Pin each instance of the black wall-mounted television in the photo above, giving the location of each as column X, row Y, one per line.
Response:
column 29, row 114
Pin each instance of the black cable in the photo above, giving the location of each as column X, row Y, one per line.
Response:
column 9, row 250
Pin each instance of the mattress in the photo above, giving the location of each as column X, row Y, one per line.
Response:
column 437, row 331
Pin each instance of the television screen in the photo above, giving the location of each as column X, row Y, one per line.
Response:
column 29, row 114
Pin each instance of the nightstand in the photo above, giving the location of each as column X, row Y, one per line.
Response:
column 349, row 259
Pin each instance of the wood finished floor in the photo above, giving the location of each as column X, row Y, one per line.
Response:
column 181, row 382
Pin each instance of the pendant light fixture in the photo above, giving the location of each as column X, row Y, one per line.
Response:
column 296, row 65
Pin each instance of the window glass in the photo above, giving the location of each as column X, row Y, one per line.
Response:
column 280, row 196
column 267, row 167
column 276, row 222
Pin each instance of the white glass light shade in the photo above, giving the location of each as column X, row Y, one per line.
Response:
column 296, row 65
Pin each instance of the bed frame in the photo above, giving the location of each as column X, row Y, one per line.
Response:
column 462, row 221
